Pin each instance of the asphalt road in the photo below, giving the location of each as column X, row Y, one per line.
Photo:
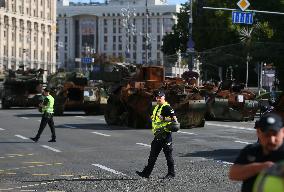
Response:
column 91, row 156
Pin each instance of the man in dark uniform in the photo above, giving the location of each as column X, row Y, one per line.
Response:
column 162, row 116
column 47, row 116
column 261, row 155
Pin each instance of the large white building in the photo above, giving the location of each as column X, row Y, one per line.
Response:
column 86, row 28
column 27, row 34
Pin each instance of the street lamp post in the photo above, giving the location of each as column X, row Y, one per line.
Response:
column 247, row 68
column 130, row 29
column 190, row 41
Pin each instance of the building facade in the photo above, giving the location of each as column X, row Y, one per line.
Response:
column 28, row 34
column 119, row 28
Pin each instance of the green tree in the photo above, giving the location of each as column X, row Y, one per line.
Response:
column 218, row 41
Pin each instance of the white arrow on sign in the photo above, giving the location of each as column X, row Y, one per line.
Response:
column 243, row 4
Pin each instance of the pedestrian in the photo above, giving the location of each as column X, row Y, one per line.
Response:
column 162, row 117
column 46, row 108
column 259, row 156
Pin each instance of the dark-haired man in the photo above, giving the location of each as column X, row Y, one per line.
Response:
column 261, row 155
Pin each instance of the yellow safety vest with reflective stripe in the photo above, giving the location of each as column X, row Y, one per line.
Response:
column 158, row 123
column 49, row 107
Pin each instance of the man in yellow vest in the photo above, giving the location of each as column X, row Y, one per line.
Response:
column 163, row 115
column 47, row 116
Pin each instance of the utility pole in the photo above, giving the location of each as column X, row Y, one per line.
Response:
column 190, row 41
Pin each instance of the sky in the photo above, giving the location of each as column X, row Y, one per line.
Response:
column 169, row 1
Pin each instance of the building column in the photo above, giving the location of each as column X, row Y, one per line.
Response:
column 32, row 46
column 2, row 25
column 9, row 41
column 17, row 42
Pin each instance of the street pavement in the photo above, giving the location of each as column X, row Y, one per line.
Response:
column 91, row 156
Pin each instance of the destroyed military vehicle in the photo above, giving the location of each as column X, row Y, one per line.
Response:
column 131, row 103
column 231, row 102
column 73, row 92
column 22, row 88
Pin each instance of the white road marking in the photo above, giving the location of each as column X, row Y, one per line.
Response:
column 39, row 120
column 101, row 134
column 50, row 148
column 68, row 126
column 40, row 174
column 81, row 117
column 24, row 118
column 108, row 169
column 230, row 126
column 1, row 129
column 66, row 175
column 102, row 119
column 243, row 142
column 9, row 189
column 225, row 162
column 22, row 137
column 188, row 133
column 146, row 145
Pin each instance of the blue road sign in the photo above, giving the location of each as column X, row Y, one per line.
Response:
column 86, row 60
column 242, row 17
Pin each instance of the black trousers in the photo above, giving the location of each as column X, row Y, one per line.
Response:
column 47, row 118
column 156, row 146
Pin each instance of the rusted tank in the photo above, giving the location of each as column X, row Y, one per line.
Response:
column 231, row 102
column 22, row 88
column 73, row 92
column 131, row 103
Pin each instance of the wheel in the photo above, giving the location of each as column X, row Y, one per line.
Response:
column 58, row 110
column 5, row 104
column 202, row 124
column 59, row 105
column 111, row 114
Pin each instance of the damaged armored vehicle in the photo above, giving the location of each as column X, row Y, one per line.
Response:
column 73, row 92
column 231, row 102
column 131, row 103
column 22, row 88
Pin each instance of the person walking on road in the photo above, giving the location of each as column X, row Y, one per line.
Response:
column 47, row 116
column 259, row 156
column 163, row 115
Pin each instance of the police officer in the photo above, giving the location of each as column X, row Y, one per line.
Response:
column 162, row 116
column 47, row 116
column 261, row 155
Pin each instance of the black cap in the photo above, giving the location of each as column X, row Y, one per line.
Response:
column 270, row 121
column 46, row 89
column 160, row 94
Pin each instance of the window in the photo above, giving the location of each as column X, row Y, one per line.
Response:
column 35, row 54
column 13, row 51
column 105, row 39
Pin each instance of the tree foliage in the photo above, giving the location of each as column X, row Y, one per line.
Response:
column 219, row 42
